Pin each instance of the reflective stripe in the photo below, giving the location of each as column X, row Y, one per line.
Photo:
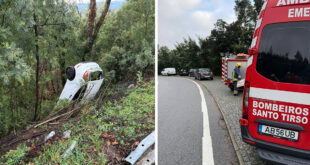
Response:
column 253, row 42
column 233, row 75
column 258, row 23
column 250, row 60
column 264, row 5
column 277, row 95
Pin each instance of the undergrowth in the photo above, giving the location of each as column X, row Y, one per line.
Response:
column 103, row 134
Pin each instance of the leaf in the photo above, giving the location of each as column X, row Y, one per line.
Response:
column 114, row 143
column 105, row 135
column 54, row 158
column 136, row 143
column 32, row 147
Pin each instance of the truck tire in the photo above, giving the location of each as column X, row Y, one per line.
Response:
column 70, row 72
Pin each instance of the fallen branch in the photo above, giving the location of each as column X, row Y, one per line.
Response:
column 54, row 118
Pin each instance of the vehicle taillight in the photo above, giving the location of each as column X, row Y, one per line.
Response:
column 246, row 100
column 85, row 76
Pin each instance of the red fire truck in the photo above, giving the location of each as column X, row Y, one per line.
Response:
column 228, row 66
column 276, row 99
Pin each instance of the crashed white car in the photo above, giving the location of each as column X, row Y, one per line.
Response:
column 83, row 81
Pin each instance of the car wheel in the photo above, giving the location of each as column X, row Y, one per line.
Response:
column 70, row 72
column 211, row 78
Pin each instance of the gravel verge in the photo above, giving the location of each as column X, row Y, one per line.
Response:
column 231, row 108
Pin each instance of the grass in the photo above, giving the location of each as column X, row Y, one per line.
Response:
column 103, row 134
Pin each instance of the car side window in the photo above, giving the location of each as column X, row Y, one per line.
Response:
column 97, row 75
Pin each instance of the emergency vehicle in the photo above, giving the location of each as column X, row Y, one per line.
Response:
column 228, row 66
column 276, row 99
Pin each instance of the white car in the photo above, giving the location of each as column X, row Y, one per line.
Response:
column 168, row 71
column 84, row 81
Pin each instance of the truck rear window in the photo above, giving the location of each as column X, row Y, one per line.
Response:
column 284, row 52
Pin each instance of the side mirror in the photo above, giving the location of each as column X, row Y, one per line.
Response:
column 253, row 51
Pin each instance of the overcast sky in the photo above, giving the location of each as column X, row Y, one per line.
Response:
column 178, row 19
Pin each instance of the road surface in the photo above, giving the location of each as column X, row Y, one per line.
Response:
column 188, row 132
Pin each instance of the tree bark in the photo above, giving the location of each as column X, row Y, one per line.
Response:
column 91, row 17
column 92, row 38
column 37, row 67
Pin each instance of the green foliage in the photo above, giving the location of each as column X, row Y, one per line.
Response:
column 128, row 119
column 133, row 115
column 125, row 44
column 14, row 156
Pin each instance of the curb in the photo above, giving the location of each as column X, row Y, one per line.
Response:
column 241, row 162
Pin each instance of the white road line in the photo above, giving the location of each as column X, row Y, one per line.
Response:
column 207, row 150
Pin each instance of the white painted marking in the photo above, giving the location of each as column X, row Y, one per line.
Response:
column 253, row 42
column 207, row 150
column 278, row 95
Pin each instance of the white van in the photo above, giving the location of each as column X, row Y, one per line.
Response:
column 84, row 80
column 168, row 71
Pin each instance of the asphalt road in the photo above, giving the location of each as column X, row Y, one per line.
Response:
column 181, row 127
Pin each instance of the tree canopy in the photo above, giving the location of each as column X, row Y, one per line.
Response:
column 39, row 39
column 233, row 38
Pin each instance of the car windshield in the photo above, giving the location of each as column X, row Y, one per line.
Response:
column 284, row 52
column 204, row 70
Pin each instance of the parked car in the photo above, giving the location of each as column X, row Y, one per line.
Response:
column 83, row 80
column 183, row 72
column 204, row 73
column 191, row 72
column 168, row 72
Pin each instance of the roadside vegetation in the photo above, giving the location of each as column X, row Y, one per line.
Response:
column 105, row 132
column 224, row 39
column 39, row 39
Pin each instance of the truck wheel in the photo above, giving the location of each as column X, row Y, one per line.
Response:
column 70, row 72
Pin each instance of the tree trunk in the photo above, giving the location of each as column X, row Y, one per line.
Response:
column 91, row 17
column 37, row 67
column 91, row 40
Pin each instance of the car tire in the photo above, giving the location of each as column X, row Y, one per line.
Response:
column 70, row 72
column 211, row 78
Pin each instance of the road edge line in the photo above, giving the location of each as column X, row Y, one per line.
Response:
column 207, row 155
column 241, row 161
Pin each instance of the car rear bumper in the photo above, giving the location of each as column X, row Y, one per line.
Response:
column 206, row 76
column 275, row 152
